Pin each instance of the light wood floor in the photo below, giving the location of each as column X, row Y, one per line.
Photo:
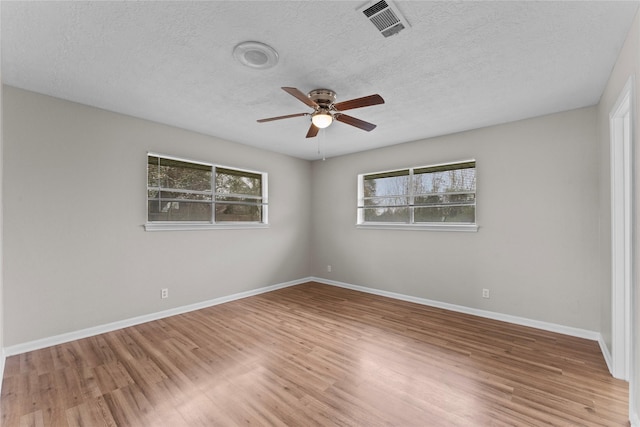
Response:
column 315, row 355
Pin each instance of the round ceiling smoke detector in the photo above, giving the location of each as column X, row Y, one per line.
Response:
column 255, row 55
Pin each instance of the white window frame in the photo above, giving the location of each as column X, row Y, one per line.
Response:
column 427, row 226
column 209, row 225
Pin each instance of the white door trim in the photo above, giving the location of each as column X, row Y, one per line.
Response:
column 621, row 231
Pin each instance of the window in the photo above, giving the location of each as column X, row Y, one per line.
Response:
column 238, row 196
column 183, row 194
column 436, row 197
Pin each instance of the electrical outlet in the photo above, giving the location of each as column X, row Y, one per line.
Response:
column 485, row 293
column 164, row 293
column 329, row 268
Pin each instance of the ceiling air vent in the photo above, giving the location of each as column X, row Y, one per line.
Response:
column 385, row 16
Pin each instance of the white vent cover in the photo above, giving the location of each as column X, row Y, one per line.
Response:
column 385, row 16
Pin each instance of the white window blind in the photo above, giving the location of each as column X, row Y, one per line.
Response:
column 423, row 195
column 183, row 191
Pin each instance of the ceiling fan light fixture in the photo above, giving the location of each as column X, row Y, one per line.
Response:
column 325, row 109
column 321, row 119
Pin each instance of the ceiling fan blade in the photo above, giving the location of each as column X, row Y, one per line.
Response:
column 355, row 122
column 313, row 131
column 301, row 96
column 359, row 102
column 270, row 119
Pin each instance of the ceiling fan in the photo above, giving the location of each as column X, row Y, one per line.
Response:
column 325, row 110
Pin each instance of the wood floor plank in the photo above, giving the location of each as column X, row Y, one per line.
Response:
column 315, row 355
column 34, row 419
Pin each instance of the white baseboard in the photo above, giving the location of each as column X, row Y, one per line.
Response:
column 635, row 420
column 96, row 330
column 552, row 327
column 84, row 333
column 606, row 354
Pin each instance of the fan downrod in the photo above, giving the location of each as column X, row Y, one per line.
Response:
column 323, row 97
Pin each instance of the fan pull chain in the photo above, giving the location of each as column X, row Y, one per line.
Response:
column 320, row 139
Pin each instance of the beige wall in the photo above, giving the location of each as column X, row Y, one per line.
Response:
column 76, row 254
column 75, row 205
column 537, row 246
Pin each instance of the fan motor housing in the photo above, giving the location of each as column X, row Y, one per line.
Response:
column 323, row 97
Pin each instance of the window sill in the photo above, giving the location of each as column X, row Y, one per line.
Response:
column 181, row 226
column 423, row 227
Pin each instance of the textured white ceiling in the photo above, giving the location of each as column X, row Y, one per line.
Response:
column 461, row 65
